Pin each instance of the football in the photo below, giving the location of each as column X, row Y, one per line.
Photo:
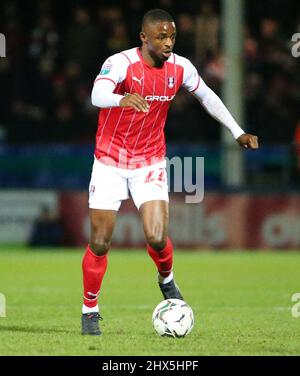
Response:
column 173, row 318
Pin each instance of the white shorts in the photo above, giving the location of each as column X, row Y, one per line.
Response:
column 110, row 185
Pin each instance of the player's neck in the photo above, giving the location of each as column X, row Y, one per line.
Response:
column 150, row 59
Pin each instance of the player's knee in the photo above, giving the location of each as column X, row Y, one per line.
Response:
column 157, row 242
column 100, row 246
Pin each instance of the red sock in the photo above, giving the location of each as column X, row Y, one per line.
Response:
column 163, row 259
column 93, row 268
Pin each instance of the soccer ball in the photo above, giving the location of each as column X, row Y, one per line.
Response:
column 173, row 318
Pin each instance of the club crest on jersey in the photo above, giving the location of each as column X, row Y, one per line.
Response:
column 171, row 82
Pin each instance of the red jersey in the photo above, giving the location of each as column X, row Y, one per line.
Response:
column 128, row 138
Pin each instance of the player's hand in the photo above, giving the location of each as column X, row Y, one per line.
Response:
column 135, row 101
column 248, row 141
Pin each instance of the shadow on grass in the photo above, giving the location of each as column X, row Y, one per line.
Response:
column 26, row 329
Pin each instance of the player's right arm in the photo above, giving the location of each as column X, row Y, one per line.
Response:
column 135, row 101
column 114, row 71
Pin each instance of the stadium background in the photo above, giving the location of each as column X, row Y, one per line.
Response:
column 47, row 123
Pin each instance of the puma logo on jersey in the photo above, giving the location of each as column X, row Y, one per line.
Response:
column 162, row 98
column 138, row 80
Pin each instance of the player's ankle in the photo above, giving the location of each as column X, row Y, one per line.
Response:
column 86, row 309
column 165, row 279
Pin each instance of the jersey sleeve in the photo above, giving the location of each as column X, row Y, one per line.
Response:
column 191, row 78
column 216, row 108
column 113, row 69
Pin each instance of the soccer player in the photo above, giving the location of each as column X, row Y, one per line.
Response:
column 134, row 90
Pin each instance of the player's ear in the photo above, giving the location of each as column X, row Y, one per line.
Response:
column 143, row 37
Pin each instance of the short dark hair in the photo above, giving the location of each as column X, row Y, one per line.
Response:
column 156, row 15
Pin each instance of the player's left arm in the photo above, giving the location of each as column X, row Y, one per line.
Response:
column 214, row 105
column 216, row 108
column 247, row 140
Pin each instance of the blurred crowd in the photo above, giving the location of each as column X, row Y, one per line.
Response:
column 56, row 49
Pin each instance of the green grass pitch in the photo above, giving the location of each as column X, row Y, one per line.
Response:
column 241, row 301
